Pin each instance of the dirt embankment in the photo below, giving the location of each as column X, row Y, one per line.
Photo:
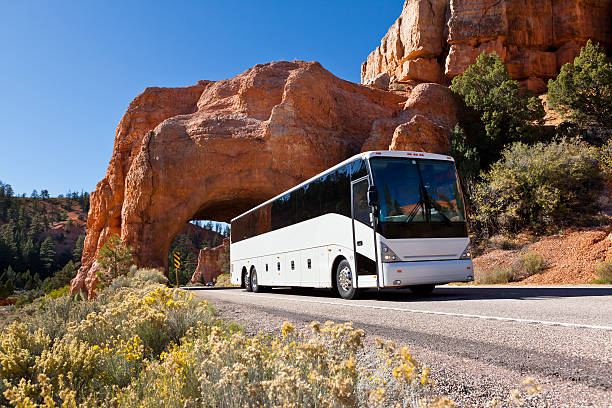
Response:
column 570, row 256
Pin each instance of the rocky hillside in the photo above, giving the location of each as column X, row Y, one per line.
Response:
column 435, row 40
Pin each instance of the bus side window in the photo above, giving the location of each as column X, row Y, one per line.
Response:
column 278, row 266
column 292, row 265
column 309, row 263
column 266, row 267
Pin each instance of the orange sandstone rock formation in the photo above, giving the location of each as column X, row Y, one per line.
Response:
column 441, row 38
column 423, row 125
column 210, row 263
column 215, row 149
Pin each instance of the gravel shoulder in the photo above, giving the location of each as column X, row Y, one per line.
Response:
column 473, row 360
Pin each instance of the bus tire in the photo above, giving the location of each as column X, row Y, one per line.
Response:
column 255, row 286
column 247, row 281
column 421, row 290
column 344, row 281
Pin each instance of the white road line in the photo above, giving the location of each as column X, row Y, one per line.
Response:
column 399, row 309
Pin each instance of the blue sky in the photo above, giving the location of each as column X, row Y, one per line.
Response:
column 68, row 70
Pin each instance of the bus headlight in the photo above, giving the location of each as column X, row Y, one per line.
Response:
column 388, row 255
column 467, row 252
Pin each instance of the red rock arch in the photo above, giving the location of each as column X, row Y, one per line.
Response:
column 215, row 149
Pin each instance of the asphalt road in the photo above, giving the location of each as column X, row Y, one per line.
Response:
column 482, row 340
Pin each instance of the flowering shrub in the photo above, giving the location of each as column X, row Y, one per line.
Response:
column 143, row 344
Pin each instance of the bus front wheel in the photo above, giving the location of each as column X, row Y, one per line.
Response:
column 255, row 286
column 344, row 281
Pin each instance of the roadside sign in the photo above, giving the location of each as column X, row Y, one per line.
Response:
column 177, row 264
column 177, row 259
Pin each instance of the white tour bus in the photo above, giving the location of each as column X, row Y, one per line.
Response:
column 377, row 220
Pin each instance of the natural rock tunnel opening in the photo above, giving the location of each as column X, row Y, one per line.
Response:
column 195, row 252
column 202, row 244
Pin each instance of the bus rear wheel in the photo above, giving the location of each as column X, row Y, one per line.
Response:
column 344, row 281
column 421, row 290
column 246, row 278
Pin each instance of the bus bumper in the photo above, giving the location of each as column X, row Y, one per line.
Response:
column 427, row 272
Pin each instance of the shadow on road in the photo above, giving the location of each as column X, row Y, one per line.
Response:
column 446, row 293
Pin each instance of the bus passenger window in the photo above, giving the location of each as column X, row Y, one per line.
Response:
column 278, row 266
column 292, row 265
column 266, row 267
column 309, row 262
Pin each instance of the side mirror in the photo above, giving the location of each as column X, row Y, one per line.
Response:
column 372, row 196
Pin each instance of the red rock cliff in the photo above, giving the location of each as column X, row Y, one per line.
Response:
column 435, row 40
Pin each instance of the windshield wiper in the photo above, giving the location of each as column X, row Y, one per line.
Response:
column 438, row 208
column 417, row 207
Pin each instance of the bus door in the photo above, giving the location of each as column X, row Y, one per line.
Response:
column 363, row 235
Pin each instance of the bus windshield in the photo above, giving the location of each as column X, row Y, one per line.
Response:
column 417, row 191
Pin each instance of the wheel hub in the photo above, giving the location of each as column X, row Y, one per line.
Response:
column 344, row 279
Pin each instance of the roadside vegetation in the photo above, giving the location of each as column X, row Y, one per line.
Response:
column 523, row 266
column 140, row 343
column 604, row 271
column 521, row 176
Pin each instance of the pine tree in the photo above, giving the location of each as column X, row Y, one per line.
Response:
column 47, row 254
column 31, row 254
column 582, row 91
column 14, row 278
column 504, row 113
column 115, row 258
column 78, row 249
column 28, row 279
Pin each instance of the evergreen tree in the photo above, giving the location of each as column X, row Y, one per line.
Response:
column 78, row 249
column 116, row 258
column 29, row 280
column 582, row 91
column 6, row 289
column 31, row 254
column 47, row 254
column 466, row 158
column 505, row 113
column 61, row 278
column 15, row 278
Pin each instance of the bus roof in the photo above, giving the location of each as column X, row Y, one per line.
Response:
column 363, row 155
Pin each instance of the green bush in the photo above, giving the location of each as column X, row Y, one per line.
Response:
column 582, row 91
column 540, row 186
column 505, row 112
column 604, row 271
column 532, row 263
column 59, row 292
column 6, row 289
column 499, row 275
